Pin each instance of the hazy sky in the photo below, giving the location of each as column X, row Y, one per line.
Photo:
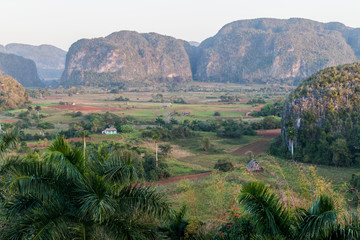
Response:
column 62, row 22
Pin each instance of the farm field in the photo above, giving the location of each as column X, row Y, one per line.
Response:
column 191, row 179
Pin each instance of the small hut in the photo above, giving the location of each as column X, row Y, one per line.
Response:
column 254, row 166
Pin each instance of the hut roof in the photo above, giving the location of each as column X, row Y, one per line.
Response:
column 254, row 166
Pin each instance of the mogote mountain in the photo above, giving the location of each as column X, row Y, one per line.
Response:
column 49, row 60
column 12, row 94
column 22, row 69
column 245, row 51
column 321, row 117
column 274, row 50
column 127, row 56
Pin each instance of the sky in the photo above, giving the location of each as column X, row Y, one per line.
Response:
column 62, row 22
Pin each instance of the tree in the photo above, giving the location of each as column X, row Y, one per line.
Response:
column 205, row 144
column 272, row 220
column 341, row 155
column 38, row 109
column 268, row 213
column 165, row 149
column 30, row 109
column 65, row 196
column 176, row 224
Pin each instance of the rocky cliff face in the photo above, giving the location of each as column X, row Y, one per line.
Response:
column 322, row 113
column 273, row 50
column 127, row 57
column 246, row 51
column 49, row 60
column 12, row 94
column 22, row 69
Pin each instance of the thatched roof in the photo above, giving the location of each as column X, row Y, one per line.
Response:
column 254, row 166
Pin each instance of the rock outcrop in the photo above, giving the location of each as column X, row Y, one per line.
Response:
column 127, row 56
column 274, row 50
column 49, row 60
column 22, row 69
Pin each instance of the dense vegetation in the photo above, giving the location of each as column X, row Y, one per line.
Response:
column 65, row 194
column 322, row 118
column 12, row 94
column 266, row 217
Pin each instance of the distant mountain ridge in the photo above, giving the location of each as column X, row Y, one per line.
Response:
column 127, row 56
column 49, row 60
column 275, row 50
column 247, row 51
column 22, row 69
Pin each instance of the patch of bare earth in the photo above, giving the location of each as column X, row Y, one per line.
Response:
column 257, row 147
column 270, row 133
column 177, row 152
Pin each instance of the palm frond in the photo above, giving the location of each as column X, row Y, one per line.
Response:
column 131, row 229
column 95, row 201
column 143, row 199
column 119, row 169
column 7, row 140
column 44, row 223
column 66, row 161
column 320, row 221
column 267, row 213
column 34, row 178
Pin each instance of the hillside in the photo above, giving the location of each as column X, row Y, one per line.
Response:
column 127, row 56
column 322, row 118
column 274, row 50
column 22, row 69
column 12, row 94
column 246, row 51
column 49, row 60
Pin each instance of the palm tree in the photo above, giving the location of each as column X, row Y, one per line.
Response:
column 273, row 221
column 7, row 140
column 30, row 109
column 38, row 109
column 156, row 139
column 176, row 224
column 59, row 198
column 267, row 212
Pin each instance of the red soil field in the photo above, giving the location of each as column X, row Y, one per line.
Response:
column 82, row 108
column 270, row 133
column 8, row 121
column 257, row 147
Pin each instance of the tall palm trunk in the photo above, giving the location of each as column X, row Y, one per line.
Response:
column 156, row 155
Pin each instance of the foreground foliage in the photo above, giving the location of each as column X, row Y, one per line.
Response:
column 65, row 195
column 264, row 216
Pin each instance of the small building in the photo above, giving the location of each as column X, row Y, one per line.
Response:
column 109, row 131
column 185, row 113
column 254, row 166
column 167, row 104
